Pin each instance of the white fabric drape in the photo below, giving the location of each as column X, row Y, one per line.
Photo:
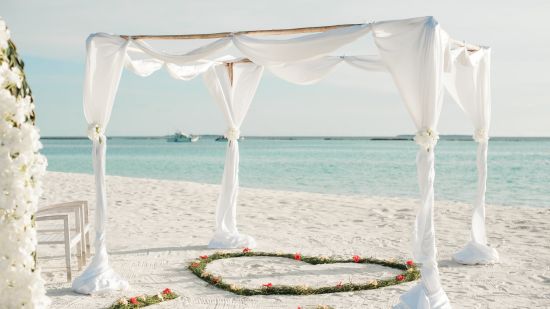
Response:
column 273, row 52
column 233, row 95
column 413, row 50
column 140, row 61
column 200, row 53
column 469, row 85
column 105, row 59
column 312, row 71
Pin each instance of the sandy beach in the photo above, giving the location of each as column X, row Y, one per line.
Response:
column 157, row 227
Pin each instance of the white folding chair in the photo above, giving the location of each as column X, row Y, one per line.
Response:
column 79, row 237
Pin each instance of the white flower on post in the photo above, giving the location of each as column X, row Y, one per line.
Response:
column 481, row 136
column 427, row 138
column 96, row 132
column 232, row 134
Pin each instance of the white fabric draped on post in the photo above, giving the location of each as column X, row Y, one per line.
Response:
column 233, row 87
column 469, row 85
column 104, row 63
column 414, row 52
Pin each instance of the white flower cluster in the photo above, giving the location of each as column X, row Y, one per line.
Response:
column 21, row 170
column 233, row 134
column 481, row 136
column 427, row 138
column 96, row 132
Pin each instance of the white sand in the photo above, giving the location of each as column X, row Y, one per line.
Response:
column 156, row 227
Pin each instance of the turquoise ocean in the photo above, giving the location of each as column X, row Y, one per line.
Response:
column 519, row 168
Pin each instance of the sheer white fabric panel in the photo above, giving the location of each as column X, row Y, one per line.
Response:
column 306, row 72
column 413, row 51
column 469, row 85
column 312, row 71
column 234, row 98
column 187, row 72
column 143, row 64
column 273, row 52
column 200, row 53
column 146, row 67
column 367, row 63
column 142, row 67
column 104, row 62
column 105, row 59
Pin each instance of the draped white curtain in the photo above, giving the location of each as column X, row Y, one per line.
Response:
column 414, row 50
column 106, row 56
column 233, row 88
column 469, row 85
column 308, row 72
column 272, row 52
column 104, row 63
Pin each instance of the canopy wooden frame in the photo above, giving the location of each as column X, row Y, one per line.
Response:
column 283, row 31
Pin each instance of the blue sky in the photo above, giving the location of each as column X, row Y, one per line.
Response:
column 50, row 36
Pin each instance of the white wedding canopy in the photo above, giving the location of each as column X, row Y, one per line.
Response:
column 417, row 52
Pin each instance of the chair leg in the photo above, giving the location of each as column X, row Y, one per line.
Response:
column 86, row 222
column 88, row 250
column 78, row 228
column 67, row 249
column 82, row 238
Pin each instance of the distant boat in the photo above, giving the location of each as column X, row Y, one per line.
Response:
column 224, row 139
column 180, row 137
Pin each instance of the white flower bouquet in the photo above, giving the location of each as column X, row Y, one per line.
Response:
column 21, row 171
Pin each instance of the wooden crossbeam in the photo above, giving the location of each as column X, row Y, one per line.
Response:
column 247, row 32
column 285, row 31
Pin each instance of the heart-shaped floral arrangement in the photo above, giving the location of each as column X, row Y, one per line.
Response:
column 409, row 272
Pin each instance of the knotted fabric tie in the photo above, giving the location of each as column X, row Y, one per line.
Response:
column 232, row 134
column 481, row 136
column 427, row 138
column 96, row 132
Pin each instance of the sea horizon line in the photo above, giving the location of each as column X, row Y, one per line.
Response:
column 404, row 137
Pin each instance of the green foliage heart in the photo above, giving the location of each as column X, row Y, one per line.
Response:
column 409, row 270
